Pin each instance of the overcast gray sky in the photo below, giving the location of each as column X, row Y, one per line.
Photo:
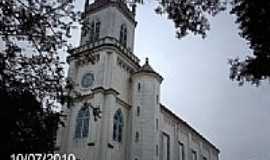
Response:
column 197, row 87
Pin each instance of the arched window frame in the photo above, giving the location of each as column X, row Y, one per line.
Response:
column 94, row 30
column 84, row 28
column 123, row 35
column 137, row 137
column 97, row 29
column 118, row 124
column 138, row 111
column 82, row 123
column 139, row 87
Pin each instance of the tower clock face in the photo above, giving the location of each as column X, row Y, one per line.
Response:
column 87, row 80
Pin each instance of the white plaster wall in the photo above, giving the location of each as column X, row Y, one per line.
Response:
column 179, row 132
column 205, row 150
column 120, row 149
column 77, row 70
column 121, row 79
column 183, row 138
column 110, row 75
column 145, row 124
column 79, row 146
column 120, row 19
column 104, row 17
column 167, row 127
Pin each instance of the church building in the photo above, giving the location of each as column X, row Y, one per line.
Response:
column 107, row 77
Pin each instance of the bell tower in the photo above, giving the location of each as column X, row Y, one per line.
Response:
column 108, row 18
column 107, row 37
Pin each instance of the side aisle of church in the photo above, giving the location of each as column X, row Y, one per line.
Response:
column 107, row 75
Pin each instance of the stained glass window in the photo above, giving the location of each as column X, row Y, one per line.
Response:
column 138, row 111
column 82, row 123
column 97, row 30
column 123, row 35
column 180, row 151
column 94, row 30
column 137, row 137
column 194, row 155
column 118, row 126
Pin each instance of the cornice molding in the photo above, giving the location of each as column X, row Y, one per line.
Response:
column 152, row 74
column 103, row 43
column 105, row 91
column 123, row 103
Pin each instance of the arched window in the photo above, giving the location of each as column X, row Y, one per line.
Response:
column 84, row 28
column 137, row 136
column 118, row 126
column 123, row 35
column 139, row 87
column 97, row 30
column 138, row 111
column 82, row 123
column 94, row 29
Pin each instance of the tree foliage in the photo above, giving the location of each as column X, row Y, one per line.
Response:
column 254, row 25
column 44, row 26
column 32, row 33
column 27, row 127
column 190, row 16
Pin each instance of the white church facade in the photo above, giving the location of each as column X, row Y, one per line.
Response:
column 134, row 125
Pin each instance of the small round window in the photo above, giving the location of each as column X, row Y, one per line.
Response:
column 87, row 80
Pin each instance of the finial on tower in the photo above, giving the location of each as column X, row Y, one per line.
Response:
column 146, row 68
column 146, row 60
column 86, row 4
column 133, row 8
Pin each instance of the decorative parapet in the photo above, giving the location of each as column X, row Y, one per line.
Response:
column 106, row 41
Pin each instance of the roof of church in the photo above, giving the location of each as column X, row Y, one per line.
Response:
column 185, row 123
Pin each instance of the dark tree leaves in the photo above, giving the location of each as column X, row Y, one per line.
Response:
column 190, row 16
column 254, row 24
column 27, row 126
column 32, row 33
